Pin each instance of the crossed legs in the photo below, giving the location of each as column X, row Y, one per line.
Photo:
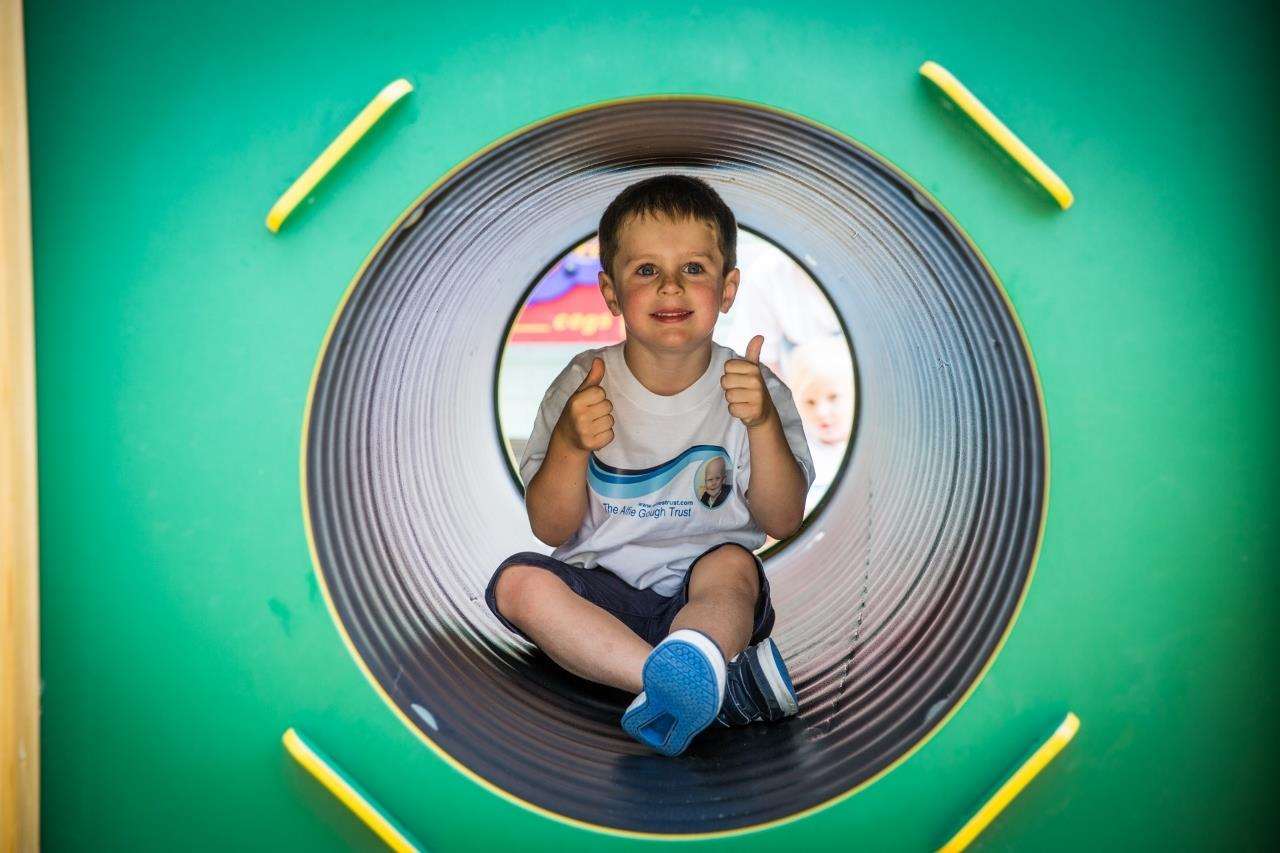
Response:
column 582, row 637
column 723, row 590
column 592, row 643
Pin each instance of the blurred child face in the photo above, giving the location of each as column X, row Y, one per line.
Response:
column 714, row 477
column 826, row 406
column 668, row 289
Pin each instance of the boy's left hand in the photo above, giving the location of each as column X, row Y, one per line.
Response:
column 744, row 387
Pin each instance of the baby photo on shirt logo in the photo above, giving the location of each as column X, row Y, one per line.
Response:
column 712, row 481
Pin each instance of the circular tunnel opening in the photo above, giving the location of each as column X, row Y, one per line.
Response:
column 890, row 604
column 563, row 313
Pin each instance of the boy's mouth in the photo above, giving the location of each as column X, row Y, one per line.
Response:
column 671, row 316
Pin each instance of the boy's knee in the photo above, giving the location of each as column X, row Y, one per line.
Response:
column 519, row 585
column 731, row 566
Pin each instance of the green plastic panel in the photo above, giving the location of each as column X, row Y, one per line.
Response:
column 182, row 627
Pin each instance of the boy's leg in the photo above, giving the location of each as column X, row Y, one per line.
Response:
column 692, row 678
column 580, row 636
column 724, row 585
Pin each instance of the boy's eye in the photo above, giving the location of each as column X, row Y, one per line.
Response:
column 650, row 269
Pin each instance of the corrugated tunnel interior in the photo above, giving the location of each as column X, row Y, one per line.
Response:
column 891, row 601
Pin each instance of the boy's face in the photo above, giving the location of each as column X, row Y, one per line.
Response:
column 669, row 288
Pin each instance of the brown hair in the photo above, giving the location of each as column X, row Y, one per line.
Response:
column 676, row 197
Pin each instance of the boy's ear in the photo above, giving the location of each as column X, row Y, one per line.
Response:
column 730, row 290
column 610, row 296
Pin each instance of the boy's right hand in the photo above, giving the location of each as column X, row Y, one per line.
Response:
column 585, row 422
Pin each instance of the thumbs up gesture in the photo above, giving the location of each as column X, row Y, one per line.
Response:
column 586, row 421
column 744, row 387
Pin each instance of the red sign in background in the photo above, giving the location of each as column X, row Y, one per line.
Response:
column 579, row 315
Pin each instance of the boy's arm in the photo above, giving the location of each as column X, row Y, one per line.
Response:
column 776, row 494
column 778, row 482
column 556, row 497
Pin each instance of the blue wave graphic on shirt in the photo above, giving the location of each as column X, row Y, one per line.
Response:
column 610, row 482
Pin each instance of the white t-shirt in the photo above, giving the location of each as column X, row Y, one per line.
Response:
column 648, row 513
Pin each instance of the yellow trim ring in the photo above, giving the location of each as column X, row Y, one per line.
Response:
column 321, row 767
column 414, row 727
column 996, row 129
column 1014, row 784
column 338, row 148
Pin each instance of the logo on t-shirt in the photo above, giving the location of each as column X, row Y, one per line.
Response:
column 610, row 482
column 713, row 481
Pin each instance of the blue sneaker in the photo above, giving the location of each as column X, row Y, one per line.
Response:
column 684, row 679
column 758, row 689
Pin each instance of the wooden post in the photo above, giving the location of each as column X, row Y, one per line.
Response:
column 19, row 556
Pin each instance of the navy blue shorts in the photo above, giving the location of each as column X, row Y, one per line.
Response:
column 642, row 610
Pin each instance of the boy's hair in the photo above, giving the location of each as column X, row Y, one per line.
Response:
column 676, row 197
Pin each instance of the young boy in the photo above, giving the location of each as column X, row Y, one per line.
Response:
column 649, row 589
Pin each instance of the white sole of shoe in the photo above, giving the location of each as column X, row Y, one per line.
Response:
column 768, row 659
